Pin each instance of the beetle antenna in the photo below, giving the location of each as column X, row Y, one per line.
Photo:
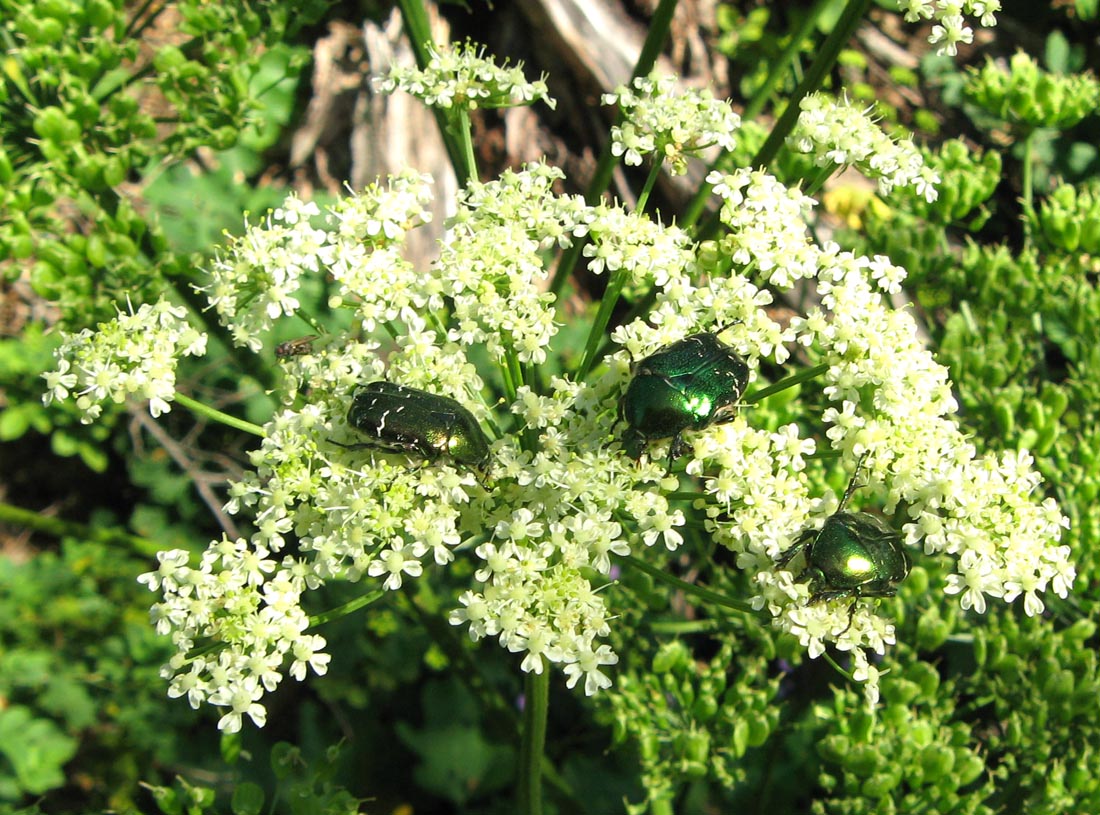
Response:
column 730, row 324
column 852, row 485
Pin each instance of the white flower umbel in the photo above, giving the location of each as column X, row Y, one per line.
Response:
column 365, row 235
column 658, row 120
column 836, row 133
column 892, row 410
column 950, row 26
column 492, row 264
column 646, row 251
column 257, row 279
column 461, row 76
column 246, row 605
column 133, row 355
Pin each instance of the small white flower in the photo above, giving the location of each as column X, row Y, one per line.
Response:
column 395, row 561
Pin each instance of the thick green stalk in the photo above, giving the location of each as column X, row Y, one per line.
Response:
column 655, row 40
column 603, row 317
column 216, row 415
column 818, row 181
column 461, row 124
column 689, row 588
column 779, row 68
column 347, row 608
column 823, row 63
column 650, row 183
column 787, row 382
column 536, row 705
column 58, row 528
column 614, row 289
column 419, row 29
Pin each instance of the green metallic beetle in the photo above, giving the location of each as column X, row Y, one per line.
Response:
column 854, row 554
column 687, row 385
column 408, row 420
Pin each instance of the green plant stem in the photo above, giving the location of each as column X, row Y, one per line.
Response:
column 470, row 673
column 818, row 181
column 461, row 124
column 786, row 382
column 823, row 63
column 689, row 588
column 58, row 528
column 417, row 26
column 650, row 182
column 536, row 705
column 836, row 665
column 216, row 415
column 1027, row 184
column 679, row 627
column 515, row 368
column 614, row 289
column 656, row 35
column 599, row 325
column 347, row 608
column 312, row 322
column 779, row 68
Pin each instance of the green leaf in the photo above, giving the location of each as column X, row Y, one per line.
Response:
column 13, row 422
column 1057, row 53
column 248, row 799
column 35, row 748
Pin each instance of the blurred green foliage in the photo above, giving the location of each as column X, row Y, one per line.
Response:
column 91, row 100
column 80, row 671
column 98, row 98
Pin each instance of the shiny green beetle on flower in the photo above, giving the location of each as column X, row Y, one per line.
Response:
column 408, row 420
column 854, row 554
column 687, row 385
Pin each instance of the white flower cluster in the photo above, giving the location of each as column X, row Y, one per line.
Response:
column 462, row 77
column 365, row 241
column 547, row 520
column 648, row 252
column 836, row 133
column 892, row 407
column 358, row 241
column 656, row 120
column 133, row 355
column 951, row 28
column 245, row 603
column 256, row 280
column 767, row 222
column 560, row 498
column 492, row 264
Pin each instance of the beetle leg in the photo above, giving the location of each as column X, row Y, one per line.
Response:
column 359, row 445
column 851, row 616
column 676, row 449
column 799, row 544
